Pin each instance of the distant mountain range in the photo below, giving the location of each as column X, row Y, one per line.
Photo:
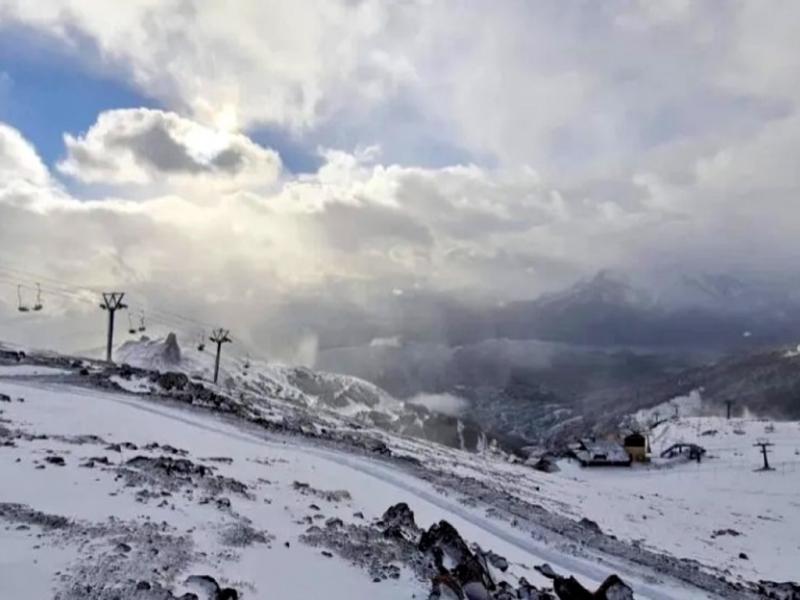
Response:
column 700, row 312
column 596, row 351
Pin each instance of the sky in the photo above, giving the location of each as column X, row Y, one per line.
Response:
column 358, row 166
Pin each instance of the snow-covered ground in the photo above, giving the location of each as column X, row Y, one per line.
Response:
column 29, row 370
column 270, row 468
column 254, row 543
column 709, row 511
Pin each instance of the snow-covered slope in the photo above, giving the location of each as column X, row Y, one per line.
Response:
column 722, row 512
column 135, row 494
column 342, row 395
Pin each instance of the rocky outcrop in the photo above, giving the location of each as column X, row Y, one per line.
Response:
column 787, row 590
column 456, row 569
column 569, row 588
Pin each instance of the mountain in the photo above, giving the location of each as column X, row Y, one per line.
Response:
column 343, row 395
column 706, row 311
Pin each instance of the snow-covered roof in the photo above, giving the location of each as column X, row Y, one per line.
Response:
column 601, row 452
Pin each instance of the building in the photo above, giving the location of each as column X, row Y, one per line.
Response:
column 635, row 445
column 600, row 453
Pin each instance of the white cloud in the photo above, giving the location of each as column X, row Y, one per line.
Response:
column 629, row 135
column 543, row 83
column 447, row 404
column 19, row 160
column 269, row 62
column 146, row 146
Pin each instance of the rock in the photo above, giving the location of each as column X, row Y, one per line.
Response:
column 13, row 355
column 721, row 532
column 743, row 556
column 445, row 588
column 779, row 591
column 568, row 588
column 546, row 570
column 446, row 546
column 55, row 460
column 334, row 522
column 546, row 465
column 377, row 446
column 497, row 561
column 172, row 381
column 398, row 523
column 172, row 351
column 5, row 398
column 591, row 525
column 476, row 591
column 210, row 589
column 613, row 588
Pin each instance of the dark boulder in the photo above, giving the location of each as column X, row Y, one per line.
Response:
column 613, row 588
column 171, row 381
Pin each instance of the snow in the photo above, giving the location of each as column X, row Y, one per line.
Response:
column 136, row 385
column 670, row 506
column 89, row 494
column 681, row 406
column 29, row 370
column 677, row 506
column 77, row 493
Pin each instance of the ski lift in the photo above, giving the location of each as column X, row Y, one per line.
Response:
column 38, row 306
column 246, row 363
column 141, row 322
column 21, row 306
column 201, row 344
column 131, row 328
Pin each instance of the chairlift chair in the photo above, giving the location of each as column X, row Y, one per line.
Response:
column 141, row 323
column 201, row 344
column 38, row 306
column 131, row 328
column 21, row 306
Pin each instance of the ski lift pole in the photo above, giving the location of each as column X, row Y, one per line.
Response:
column 112, row 302
column 219, row 336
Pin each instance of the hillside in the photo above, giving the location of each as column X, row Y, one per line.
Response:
column 158, row 485
column 342, row 396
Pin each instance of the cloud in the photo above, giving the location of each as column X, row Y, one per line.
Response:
column 266, row 62
column 639, row 136
column 19, row 160
column 566, row 90
column 447, row 404
column 386, row 342
column 146, row 146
